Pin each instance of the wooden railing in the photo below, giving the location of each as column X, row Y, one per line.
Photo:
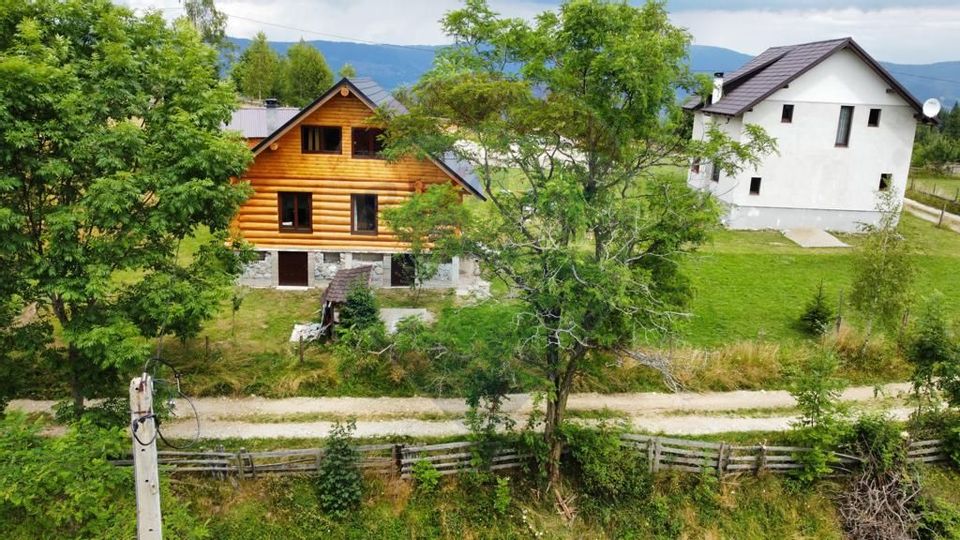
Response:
column 660, row 453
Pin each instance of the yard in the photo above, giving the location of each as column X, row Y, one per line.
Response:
column 941, row 185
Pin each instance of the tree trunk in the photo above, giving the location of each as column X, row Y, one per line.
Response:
column 76, row 388
column 562, row 381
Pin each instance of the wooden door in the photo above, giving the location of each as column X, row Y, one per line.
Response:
column 293, row 268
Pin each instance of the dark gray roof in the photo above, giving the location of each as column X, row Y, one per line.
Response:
column 464, row 170
column 258, row 122
column 778, row 66
column 377, row 95
column 343, row 281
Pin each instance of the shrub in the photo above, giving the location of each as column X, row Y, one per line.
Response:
column 360, row 311
column 426, row 477
column 339, row 482
column 817, row 315
column 822, row 424
column 501, row 495
column 608, row 470
column 930, row 346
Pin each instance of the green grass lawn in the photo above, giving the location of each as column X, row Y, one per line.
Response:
column 753, row 285
column 941, row 185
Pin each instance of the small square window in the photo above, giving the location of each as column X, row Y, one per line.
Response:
column 715, row 173
column 295, row 211
column 331, row 257
column 320, row 139
column 787, row 115
column 886, row 180
column 695, row 166
column 874, row 119
column 262, row 255
column 755, row 185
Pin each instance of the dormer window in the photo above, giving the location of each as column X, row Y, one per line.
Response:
column 320, row 139
column 367, row 142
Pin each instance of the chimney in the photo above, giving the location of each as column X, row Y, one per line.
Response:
column 271, row 103
column 717, row 87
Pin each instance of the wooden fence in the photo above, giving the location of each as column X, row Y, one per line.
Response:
column 660, row 453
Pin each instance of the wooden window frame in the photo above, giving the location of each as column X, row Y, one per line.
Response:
column 353, row 214
column 845, row 143
column 296, row 197
column 303, row 141
column 759, row 181
column 871, row 121
column 785, row 117
column 367, row 154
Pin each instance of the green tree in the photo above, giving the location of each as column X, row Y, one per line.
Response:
column 884, row 268
column 258, row 72
column 569, row 119
column 111, row 153
column 429, row 223
column 208, row 20
column 822, row 422
column 305, row 75
column 347, row 70
column 930, row 346
column 339, row 482
column 817, row 314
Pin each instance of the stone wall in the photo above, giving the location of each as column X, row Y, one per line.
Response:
column 262, row 271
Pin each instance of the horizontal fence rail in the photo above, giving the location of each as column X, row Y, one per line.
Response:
column 660, row 453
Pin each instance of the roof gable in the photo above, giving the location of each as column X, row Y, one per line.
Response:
column 374, row 97
column 778, row 66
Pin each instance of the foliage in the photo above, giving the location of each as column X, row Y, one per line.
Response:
column 882, row 499
column 607, row 469
column 360, row 311
column 501, row 495
column 64, row 487
column 817, row 315
column 339, row 482
column 258, row 72
column 429, row 223
column 306, row 75
column 821, row 424
column 426, row 477
column 884, row 267
column 111, row 153
column 937, row 146
column 932, row 349
column 210, row 22
column 589, row 236
column 347, row 70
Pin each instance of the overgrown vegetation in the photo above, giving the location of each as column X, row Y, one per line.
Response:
column 339, row 483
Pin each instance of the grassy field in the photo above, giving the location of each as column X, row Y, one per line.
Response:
column 753, row 285
column 944, row 186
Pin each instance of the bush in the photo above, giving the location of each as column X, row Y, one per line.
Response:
column 501, row 495
column 360, row 311
column 817, row 315
column 339, row 482
column 426, row 477
column 65, row 487
column 608, row 471
column 822, row 422
column 930, row 346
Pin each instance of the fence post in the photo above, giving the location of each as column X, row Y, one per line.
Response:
column 398, row 458
column 650, row 454
column 761, row 459
column 942, row 212
column 840, row 310
column 145, row 472
column 722, row 458
column 656, row 454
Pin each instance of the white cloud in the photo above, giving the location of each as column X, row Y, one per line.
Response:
column 904, row 35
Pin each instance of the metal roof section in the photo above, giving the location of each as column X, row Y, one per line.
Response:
column 258, row 122
column 776, row 67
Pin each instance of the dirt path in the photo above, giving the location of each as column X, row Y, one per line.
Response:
column 931, row 214
column 681, row 413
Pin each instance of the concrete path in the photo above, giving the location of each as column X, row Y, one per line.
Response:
column 813, row 238
column 681, row 413
column 931, row 214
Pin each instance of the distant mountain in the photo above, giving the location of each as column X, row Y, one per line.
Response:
column 396, row 65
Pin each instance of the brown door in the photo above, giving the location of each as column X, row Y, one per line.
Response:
column 293, row 268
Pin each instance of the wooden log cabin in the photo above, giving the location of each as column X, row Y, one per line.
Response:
column 320, row 186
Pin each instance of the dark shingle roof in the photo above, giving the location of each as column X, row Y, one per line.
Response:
column 377, row 95
column 778, row 66
column 343, row 281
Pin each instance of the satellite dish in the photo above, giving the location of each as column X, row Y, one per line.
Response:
column 931, row 108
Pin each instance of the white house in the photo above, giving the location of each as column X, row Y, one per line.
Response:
column 844, row 129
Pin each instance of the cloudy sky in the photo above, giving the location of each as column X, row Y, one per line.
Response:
column 918, row 31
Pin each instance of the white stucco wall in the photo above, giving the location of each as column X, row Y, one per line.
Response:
column 812, row 182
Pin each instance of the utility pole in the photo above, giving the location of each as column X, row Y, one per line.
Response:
column 143, row 428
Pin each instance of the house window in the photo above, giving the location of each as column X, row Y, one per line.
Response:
column 363, row 209
column 886, row 179
column 843, row 126
column 331, row 257
column 755, row 185
column 296, row 212
column 874, row 118
column 715, row 173
column 366, row 142
column 695, row 166
column 320, row 139
column 787, row 115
